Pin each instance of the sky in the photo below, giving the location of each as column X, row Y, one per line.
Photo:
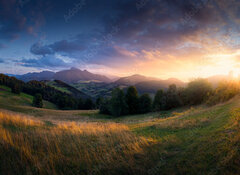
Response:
column 159, row 38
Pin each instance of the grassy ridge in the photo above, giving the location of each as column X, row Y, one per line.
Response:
column 32, row 147
column 198, row 140
column 19, row 103
column 9, row 99
column 205, row 141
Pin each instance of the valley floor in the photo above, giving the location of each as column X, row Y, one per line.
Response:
column 201, row 140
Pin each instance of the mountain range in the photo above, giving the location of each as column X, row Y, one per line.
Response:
column 72, row 75
column 99, row 85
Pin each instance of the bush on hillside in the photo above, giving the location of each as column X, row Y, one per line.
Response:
column 37, row 101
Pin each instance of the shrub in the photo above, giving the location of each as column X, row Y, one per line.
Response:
column 37, row 101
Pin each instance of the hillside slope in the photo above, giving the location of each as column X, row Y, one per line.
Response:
column 19, row 103
column 64, row 87
column 200, row 140
column 132, row 80
column 205, row 140
column 74, row 75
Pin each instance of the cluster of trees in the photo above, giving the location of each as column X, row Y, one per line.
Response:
column 196, row 92
column 224, row 92
column 126, row 103
column 61, row 99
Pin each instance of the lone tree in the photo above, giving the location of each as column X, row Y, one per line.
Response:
column 37, row 101
column 132, row 100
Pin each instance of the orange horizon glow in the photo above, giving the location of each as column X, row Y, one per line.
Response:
column 182, row 67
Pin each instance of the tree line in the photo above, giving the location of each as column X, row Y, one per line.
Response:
column 42, row 91
column 198, row 91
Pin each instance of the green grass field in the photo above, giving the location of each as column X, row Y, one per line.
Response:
column 55, row 85
column 198, row 140
column 19, row 103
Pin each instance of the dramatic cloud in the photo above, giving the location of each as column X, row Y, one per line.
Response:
column 44, row 62
column 39, row 49
column 120, row 34
column 62, row 46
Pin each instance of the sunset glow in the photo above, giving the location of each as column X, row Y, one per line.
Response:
column 115, row 87
column 198, row 39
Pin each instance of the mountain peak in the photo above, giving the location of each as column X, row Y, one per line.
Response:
column 74, row 75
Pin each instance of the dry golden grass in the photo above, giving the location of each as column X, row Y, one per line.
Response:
column 205, row 140
column 31, row 147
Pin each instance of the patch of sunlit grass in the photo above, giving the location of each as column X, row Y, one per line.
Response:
column 69, row 148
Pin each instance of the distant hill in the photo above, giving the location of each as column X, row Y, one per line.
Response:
column 154, row 85
column 72, row 75
column 132, row 80
column 95, row 89
column 64, row 87
column 19, row 103
column 45, row 75
column 142, row 83
column 84, row 83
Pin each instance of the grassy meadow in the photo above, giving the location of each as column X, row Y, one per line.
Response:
column 200, row 140
column 19, row 103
